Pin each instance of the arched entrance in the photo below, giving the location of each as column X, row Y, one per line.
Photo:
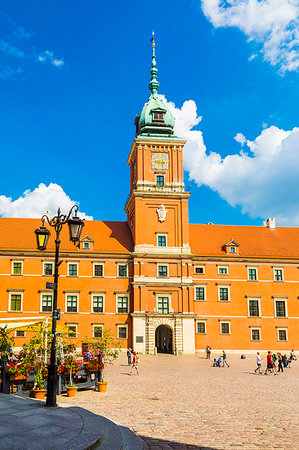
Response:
column 163, row 339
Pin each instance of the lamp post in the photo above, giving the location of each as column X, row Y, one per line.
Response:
column 42, row 235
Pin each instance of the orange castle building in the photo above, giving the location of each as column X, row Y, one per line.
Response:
column 158, row 282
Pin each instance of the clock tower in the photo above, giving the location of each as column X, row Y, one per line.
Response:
column 157, row 214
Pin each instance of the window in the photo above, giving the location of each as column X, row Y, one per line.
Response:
column 85, row 244
column 20, row 333
column 282, row 334
column 252, row 274
column 222, row 270
column 158, row 116
column 232, row 249
column 97, row 304
column 160, row 180
column 122, row 332
column 280, row 308
column 47, row 302
column 200, row 293
column 224, row 328
column 162, row 271
column 15, row 302
column 97, row 331
column 201, row 327
column 163, row 305
column 161, row 240
column 122, row 305
column 199, row 270
column 278, row 275
column 72, row 303
column 98, row 270
column 72, row 330
column 122, row 270
column 253, row 308
column 223, row 294
column 73, row 269
column 255, row 334
column 17, row 268
column 48, row 269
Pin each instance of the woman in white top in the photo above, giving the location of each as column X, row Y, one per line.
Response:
column 258, row 363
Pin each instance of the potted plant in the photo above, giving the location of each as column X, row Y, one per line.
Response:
column 70, row 367
column 39, row 383
column 17, row 371
column 6, row 343
column 107, row 350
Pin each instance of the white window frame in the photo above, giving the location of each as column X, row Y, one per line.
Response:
column 161, row 294
column 286, row 330
column 98, row 294
column 20, row 336
column 281, row 299
column 88, row 245
column 228, row 296
column 222, row 267
column 41, row 300
column 205, row 292
column 73, row 294
column 201, row 321
column 282, row 271
column 68, row 268
column 120, row 325
column 71, row 324
column 256, row 271
column 259, row 305
column 161, row 235
column 17, row 261
column 93, row 269
column 229, row 327
column 122, row 264
column 15, row 293
column 254, row 329
column 48, row 262
column 97, row 325
column 165, row 265
column 201, row 267
column 125, row 294
column 160, row 175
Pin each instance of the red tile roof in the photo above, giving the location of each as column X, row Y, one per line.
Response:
column 208, row 240
column 109, row 237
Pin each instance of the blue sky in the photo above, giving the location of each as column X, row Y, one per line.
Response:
column 73, row 77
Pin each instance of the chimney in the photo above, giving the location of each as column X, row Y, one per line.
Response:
column 270, row 223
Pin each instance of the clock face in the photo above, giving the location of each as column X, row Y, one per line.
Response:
column 160, row 161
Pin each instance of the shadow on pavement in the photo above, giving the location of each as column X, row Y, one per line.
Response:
column 151, row 443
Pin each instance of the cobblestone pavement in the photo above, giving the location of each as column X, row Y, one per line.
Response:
column 182, row 402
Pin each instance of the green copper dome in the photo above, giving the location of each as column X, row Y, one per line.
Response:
column 155, row 119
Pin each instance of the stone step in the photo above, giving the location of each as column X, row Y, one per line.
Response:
column 115, row 437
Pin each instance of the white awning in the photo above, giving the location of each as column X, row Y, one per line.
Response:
column 15, row 323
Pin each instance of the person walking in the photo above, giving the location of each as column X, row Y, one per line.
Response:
column 269, row 363
column 129, row 356
column 258, row 363
column 135, row 363
column 280, row 366
column 208, row 352
column 224, row 361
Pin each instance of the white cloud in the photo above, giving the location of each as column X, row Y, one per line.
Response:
column 273, row 23
column 240, row 138
column 35, row 203
column 8, row 72
column 48, row 57
column 264, row 181
column 9, row 49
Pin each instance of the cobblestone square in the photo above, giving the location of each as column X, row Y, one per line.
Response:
column 183, row 402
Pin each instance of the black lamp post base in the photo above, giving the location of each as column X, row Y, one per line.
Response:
column 52, row 385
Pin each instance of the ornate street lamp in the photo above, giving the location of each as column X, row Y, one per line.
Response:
column 42, row 235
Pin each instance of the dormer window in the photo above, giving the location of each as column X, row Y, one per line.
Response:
column 231, row 247
column 158, row 116
column 86, row 243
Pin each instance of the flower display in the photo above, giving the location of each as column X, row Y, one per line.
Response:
column 94, row 365
column 68, row 367
column 17, row 369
